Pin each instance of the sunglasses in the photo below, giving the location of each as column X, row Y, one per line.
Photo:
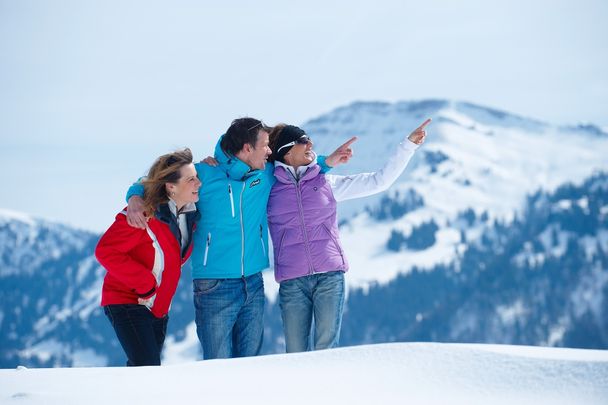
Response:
column 303, row 140
column 259, row 124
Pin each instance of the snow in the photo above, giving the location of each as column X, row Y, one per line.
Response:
column 44, row 350
column 546, row 239
column 88, row 357
column 588, row 294
column 510, row 314
column 183, row 351
column 10, row 215
column 557, row 332
column 429, row 373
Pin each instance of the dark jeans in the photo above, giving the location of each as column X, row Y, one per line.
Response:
column 140, row 333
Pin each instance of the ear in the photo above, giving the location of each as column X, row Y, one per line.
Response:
column 170, row 187
column 247, row 148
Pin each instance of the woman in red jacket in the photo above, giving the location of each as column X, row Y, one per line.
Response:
column 144, row 265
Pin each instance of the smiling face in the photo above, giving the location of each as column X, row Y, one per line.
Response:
column 256, row 157
column 185, row 190
column 300, row 154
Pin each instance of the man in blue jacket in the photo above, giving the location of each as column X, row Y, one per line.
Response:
column 231, row 239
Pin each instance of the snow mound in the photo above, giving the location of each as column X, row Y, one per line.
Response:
column 397, row 373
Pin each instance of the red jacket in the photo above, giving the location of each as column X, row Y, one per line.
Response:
column 143, row 262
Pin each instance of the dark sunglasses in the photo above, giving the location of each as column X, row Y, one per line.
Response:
column 303, row 140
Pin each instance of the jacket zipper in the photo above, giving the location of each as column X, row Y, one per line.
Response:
column 207, row 248
column 242, row 231
column 301, row 212
column 262, row 239
column 179, row 233
column 231, row 199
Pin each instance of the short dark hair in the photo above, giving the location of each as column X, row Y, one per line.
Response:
column 242, row 131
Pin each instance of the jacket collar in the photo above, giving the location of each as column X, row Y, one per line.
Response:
column 186, row 208
column 234, row 167
column 167, row 212
column 288, row 174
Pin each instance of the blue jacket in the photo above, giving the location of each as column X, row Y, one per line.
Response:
column 231, row 238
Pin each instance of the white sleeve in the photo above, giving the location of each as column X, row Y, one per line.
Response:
column 365, row 184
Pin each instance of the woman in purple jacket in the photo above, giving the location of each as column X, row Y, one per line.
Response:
column 309, row 262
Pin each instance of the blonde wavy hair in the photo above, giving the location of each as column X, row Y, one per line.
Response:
column 166, row 169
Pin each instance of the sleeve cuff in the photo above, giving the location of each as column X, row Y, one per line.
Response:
column 324, row 166
column 135, row 189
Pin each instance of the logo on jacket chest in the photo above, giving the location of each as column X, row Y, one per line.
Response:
column 254, row 183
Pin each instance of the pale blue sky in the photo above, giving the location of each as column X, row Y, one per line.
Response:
column 92, row 91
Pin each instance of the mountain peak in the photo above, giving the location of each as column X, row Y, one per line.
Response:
column 586, row 128
column 382, row 117
column 9, row 215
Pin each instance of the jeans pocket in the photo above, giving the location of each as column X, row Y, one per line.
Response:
column 204, row 286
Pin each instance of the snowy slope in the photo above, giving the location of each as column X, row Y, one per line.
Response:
column 23, row 237
column 474, row 157
column 429, row 373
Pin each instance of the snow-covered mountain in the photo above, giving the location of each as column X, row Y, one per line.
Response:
column 474, row 157
column 540, row 279
column 50, row 293
column 455, row 251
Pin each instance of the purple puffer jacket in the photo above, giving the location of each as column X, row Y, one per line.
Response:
column 303, row 227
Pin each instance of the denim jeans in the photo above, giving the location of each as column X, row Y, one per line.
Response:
column 229, row 316
column 318, row 297
column 140, row 333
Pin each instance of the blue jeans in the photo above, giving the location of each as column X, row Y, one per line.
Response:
column 230, row 316
column 140, row 333
column 318, row 297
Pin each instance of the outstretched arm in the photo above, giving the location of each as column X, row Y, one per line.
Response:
column 366, row 184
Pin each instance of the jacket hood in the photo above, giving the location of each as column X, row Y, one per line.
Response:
column 234, row 167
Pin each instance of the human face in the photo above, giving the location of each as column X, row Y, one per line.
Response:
column 256, row 157
column 300, row 154
column 186, row 189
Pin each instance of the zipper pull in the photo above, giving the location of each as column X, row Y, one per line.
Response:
column 231, row 199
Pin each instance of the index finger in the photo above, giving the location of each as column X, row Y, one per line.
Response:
column 348, row 143
column 425, row 123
